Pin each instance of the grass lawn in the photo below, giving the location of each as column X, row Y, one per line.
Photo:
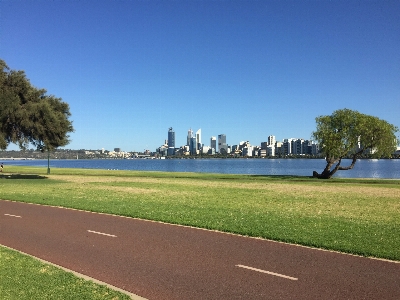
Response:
column 349, row 215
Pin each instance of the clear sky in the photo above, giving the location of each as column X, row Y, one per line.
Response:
column 131, row 69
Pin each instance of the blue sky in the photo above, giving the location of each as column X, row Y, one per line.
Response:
column 248, row 69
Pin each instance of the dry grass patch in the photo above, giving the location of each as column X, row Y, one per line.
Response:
column 141, row 191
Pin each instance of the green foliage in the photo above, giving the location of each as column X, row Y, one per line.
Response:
column 28, row 115
column 348, row 133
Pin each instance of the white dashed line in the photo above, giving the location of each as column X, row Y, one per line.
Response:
column 267, row 272
column 102, row 233
column 13, row 216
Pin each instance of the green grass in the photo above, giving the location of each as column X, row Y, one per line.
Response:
column 22, row 277
column 358, row 216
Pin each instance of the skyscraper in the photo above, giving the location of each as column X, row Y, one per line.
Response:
column 198, row 139
column 192, row 146
column 171, row 141
column 222, row 146
column 189, row 136
column 213, row 143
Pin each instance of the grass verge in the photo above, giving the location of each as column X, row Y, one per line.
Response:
column 23, row 277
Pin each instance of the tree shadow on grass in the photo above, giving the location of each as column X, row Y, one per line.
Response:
column 22, row 176
column 297, row 177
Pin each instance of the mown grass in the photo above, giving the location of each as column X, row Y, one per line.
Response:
column 351, row 215
column 25, row 278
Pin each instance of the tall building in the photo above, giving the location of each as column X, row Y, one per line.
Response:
column 198, row 139
column 171, row 141
column 287, row 146
column 222, row 146
column 298, row 146
column 278, row 148
column 271, row 140
column 192, row 146
column 213, row 143
column 189, row 136
column 271, row 150
column 171, row 138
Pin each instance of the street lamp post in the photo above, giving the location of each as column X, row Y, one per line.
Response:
column 48, row 161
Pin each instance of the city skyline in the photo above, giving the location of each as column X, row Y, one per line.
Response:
column 220, row 145
column 130, row 69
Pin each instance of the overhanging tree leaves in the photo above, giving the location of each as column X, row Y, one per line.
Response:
column 29, row 116
column 348, row 133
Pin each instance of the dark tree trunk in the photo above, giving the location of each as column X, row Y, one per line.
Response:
column 328, row 173
column 353, row 162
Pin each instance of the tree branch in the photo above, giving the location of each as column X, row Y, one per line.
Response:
column 355, row 157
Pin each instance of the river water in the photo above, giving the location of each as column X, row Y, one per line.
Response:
column 364, row 168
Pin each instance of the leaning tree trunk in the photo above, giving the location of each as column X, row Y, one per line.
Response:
column 327, row 172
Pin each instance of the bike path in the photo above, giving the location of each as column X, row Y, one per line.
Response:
column 161, row 261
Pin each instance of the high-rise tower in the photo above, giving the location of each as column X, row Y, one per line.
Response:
column 213, row 143
column 171, row 141
column 222, row 146
column 198, row 139
column 189, row 136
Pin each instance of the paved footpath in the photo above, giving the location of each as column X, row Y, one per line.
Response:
column 161, row 261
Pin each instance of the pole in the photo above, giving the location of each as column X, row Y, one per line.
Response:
column 48, row 162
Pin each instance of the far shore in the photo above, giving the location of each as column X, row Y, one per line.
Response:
column 16, row 158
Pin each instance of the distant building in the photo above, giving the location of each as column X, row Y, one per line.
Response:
column 271, row 140
column 247, row 151
column 192, row 146
column 198, row 139
column 298, row 147
column 264, row 145
column 271, row 150
column 222, row 146
column 171, row 141
column 213, row 143
column 171, row 138
column 117, row 149
column 189, row 136
column 205, row 150
column 314, row 148
column 287, row 146
column 262, row 152
column 278, row 148
column 243, row 144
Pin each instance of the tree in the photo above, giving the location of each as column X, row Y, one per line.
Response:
column 348, row 133
column 29, row 116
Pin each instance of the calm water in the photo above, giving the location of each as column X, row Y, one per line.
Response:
column 371, row 168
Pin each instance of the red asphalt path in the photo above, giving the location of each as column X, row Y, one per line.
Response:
column 161, row 261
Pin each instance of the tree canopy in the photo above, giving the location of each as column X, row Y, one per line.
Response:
column 28, row 115
column 348, row 133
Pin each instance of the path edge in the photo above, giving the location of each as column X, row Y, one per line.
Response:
column 85, row 277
